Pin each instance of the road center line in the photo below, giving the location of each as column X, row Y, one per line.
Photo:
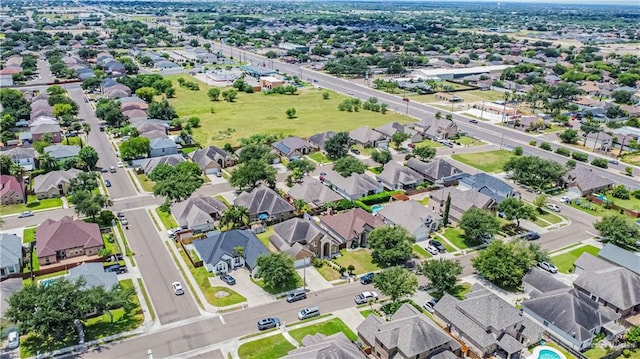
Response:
column 222, row 320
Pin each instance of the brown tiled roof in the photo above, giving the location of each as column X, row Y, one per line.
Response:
column 52, row 236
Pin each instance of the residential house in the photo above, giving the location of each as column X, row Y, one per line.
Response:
column 265, row 204
column 218, row 250
column 486, row 323
column 409, row 334
column 352, row 187
column 62, row 152
column 93, row 275
column 198, row 213
column 396, row 176
column 585, row 181
column 162, row 147
column 413, row 216
column 11, row 190
column 319, row 139
column 599, row 141
column 433, row 128
column 67, row 238
column 303, row 240
column 538, row 281
column 212, row 159
column 293, row 147
column 313, row 192
column 135, row 115
column 566, row 313
column 366, row 137
column 54, row 184
column 461, row 201
column 38, row 129
column 11, row 254
column 148, row 125
column 25, row 157
column 610, row 285
column 438, row 171
column 146, row 165
column 351, row 228
column 319, row 346
column 489, row 185
column 621, row 257
column 392, row 128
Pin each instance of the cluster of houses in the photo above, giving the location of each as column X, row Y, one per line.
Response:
column 159, row 62
column 12, row 65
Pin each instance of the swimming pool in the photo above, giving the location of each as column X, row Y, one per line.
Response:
column 601, row 197
column 375, row 208
column 545, row 352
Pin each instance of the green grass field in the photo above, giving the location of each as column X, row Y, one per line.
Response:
column 469, row 141
column 421, row 251
column 145, row 182
column 259, row 113
column 328, row 273
column 360, row 259
column 456, row 237
column 492, row 161
column 275, row 346
column 32, row 204
column 167, row 219
column 327, row 328
column 565, row 261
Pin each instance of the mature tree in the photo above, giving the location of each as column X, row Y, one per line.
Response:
column 135, row 147
column 84, row 181
column 162, row 111
column 516, row 209
column 619, row 230
column 276, row 269
column 14, row 104
column 303, row 165
column 176, row 183
column 396, row 283
column 633, row 335
column 56, row 90
column 89, row 156
column 88, row 203
column 338, row 145
column 391, row 245
column 146, row 93
column 540, row 202
column 250, row 173
column 425, row 153
column 477, row 223
column 398, row 138
column 90, row 84
column 214, row 94
column 345, row 166
column 62, row 110
column 109, row 111
column 504, row 264
column 569, row 136
column 5, row 165
column 235, row 217
column 290, row 112
column 229, row 95
column 534, row 171
column 255, row 152
column 447, row 208
column 443, row 275
column 381, row 156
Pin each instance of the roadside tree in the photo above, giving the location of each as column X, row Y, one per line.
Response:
column 381, row 156
column 619, row 230
column 425, row 153
column 516, row 209
column 443, row 275
column 396, row 282
column 276, row 269
column 391, row 246
column 337, row 146
column 477, row 223
column 134, row 148
column 505, row 264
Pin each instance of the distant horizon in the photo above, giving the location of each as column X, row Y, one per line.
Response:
column 537, row 2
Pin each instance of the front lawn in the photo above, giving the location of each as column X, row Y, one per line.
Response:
column 29, row 235
column 469, row 141
column 421, row 251
column 327, row 328
column 223, row 121
column 275, row 346
column 167, row 219
column 456, row 236
column 328, row 273
column 565, row 261
column 291, row 286
column 491, row 161
column 319, row 157
column 360, row 259
column 145, row 182
column 429, row 143
column 33, row 204
column 223, row 299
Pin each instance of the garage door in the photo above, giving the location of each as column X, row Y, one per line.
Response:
column 211, row 171
column 302, row 263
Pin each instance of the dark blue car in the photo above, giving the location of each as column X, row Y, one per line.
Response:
column 367, row 278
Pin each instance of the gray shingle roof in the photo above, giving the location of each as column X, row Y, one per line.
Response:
column 586, row 179
column 53, row 179
column 215, row 245
column 291, row 144
column 353, row 185
column 489, row 185
column 62, row 151
column 10, row 250
column 621, row 257
column 396, row 174
column 295, row 230
column 435, row 170
column 20, row 153
column 313, row 192
column 161, row 142
column 148, row 164
column 207, row 155
column 263, row 199
column 365, row 135
column 319, row 346
column 411, row 215
column 319, row 139
column 542, row 281
column 197, row 210
column 94, row 276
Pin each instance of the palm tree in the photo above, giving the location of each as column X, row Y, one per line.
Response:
column 507, row 96
column 235, row 217
column 47, row 163
column 299, row 205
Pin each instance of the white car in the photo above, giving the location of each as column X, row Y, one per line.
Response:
column 431, row 249
column 366, row 297
column 549, row 267
column 120, row 164
column 553, row 207
column 177, row 288
column 565, row 199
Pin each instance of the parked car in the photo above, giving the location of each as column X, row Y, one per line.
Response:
column 114, row 258
column 122, row 270
column 112, row 169
column 120, row 214
column 432, row 250
column 429, row 305
column 473, row 121
column 104, row 170
column 268, row 323
column 366, row 297
column 549, row 267
column 411, row 145
column 107, row 183
column 112, row 268
column 447, row 144
column 296, row 295
column 367, row 278
column 120, row 164
column 307, row 313
column 614, row 162
column 124, row 221
column 177, row 288
column 565, row 199
column 13, row 339
column 530, row 236
column 355, row 151
column 438, row 246
column 228, row 279
column 26, row 214
column 553, row 207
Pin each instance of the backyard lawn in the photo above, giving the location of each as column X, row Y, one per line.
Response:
column 264, row 238
column 360, row 259
column 565, row 261
column 29, row 235
column 32, row 204
column 631, row 203
column 275, row 346
column 223, row 122
column 492, row 161
column 327, row 328
column 167, row 219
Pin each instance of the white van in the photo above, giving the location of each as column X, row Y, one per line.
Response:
column 307, row 313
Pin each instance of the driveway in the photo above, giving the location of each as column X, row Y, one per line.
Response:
column 244, row 286
column 216, row 180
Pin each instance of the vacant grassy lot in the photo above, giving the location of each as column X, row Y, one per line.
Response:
column 167, row 219
column 327, row 328
column 468, row 96
column 491, row 161
column 565, row 261
column 360, row 259
column 32, row 204
column 275, row 346
column 223, row 122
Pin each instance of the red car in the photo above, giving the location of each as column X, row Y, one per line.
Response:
column 411, row 145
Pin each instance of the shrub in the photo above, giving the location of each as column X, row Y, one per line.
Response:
column 517, row 151
column 579, row 156
column 545, row 146
column 533, row 143
column 636, row 193
column 378, row 197
column 317, row 262
column 620, row 191
column 600, row 162
column 362, row 205
column 563, row 151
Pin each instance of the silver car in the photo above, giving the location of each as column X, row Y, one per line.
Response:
column 549, row 267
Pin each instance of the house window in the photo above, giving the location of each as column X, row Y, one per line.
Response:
column 12, row 269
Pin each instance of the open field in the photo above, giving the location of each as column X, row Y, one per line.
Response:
column 492, row 161
column 468, row 96
column 258, row 113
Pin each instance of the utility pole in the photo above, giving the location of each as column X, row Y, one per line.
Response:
column 482, row 111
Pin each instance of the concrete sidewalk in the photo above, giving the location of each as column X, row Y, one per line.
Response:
column 351, row 317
